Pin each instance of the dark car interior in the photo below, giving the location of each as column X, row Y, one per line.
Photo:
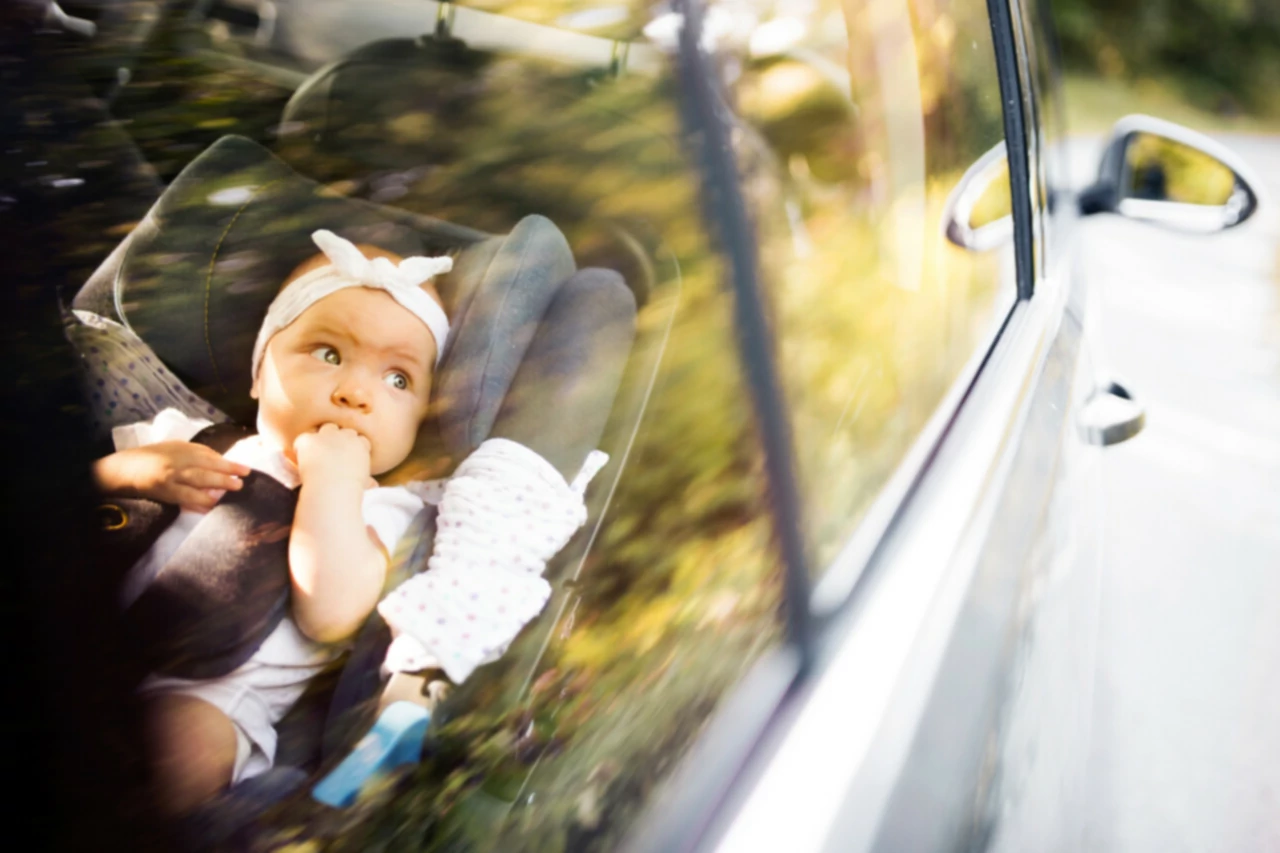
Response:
column 395, row 141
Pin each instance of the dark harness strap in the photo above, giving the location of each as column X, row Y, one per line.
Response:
column 226, row 588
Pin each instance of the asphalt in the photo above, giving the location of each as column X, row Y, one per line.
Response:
column 1184, row 753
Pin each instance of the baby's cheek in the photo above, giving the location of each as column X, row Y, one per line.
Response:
column 396, row 450
column 274, row 426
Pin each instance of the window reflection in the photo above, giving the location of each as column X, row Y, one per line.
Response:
column 672, row 589
column 854, row 123
column 559, row 744
column 873, row 115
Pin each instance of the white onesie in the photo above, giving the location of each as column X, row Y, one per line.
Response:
column 260, row 692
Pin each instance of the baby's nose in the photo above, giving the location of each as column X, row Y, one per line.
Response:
column 352, row 395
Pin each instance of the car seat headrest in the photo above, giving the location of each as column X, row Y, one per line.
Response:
column 195, row 277
column 403, row 122
column 403, row 87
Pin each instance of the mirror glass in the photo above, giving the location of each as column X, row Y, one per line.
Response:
column 995, row 201
column 1179, row 184
column 978, row 214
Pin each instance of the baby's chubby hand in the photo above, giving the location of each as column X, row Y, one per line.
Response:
column 333, row 452
column 192, row 476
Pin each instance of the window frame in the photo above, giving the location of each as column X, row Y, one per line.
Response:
column 1009, row 61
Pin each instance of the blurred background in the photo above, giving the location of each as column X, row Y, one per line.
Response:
column 1210, row 64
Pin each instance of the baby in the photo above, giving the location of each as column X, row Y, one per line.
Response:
column 342, row 373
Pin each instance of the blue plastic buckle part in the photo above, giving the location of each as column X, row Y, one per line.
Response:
column 394, row 741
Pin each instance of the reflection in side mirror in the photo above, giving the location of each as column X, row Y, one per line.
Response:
column 978, row 215
column 1160, row 172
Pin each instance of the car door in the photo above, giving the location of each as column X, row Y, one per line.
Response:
column 950, row 676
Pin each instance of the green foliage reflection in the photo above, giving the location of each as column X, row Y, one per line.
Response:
column 1222, row 54
column 877, row 312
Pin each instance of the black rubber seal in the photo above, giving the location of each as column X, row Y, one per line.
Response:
column 1015, row 133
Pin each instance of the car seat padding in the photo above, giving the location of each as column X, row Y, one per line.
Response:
column 495, row 327
column 574, row 364
column 195, row 277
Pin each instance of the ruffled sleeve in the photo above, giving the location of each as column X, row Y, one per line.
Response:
column 505, row 512
column 169, row 425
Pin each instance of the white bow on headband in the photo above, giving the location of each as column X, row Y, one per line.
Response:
column 348, row 267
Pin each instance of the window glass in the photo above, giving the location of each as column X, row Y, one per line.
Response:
column 995, row 201
column 855, row 126
column 562, row 742
column 860, row 121
column 671, row 589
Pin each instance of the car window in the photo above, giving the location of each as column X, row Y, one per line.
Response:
column 858, row 129
column 675, row 592
column 466, row 124
column 860, row 122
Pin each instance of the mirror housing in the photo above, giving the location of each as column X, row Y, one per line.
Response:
column 1160, row 172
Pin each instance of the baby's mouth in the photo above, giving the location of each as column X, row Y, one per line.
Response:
column 341, row 425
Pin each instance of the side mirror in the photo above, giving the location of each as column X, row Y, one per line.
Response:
column 978, row 215
column 1160, row 172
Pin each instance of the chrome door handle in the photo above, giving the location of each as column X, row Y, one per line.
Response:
column 1110, row 415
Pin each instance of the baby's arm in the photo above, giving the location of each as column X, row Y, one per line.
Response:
column 177, row 472
column 336, row 564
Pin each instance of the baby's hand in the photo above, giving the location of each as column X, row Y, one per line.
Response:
column 192, row 476
column 333, row 452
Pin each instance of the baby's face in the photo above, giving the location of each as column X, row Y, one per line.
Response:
column 357, row 359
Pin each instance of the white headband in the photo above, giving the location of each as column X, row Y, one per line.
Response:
column 348, row 267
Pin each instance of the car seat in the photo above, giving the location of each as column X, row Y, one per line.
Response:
column 536, row 352
column 430, row 124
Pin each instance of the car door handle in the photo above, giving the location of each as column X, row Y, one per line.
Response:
column 1110, row 415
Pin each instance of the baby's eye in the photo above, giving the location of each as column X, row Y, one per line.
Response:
column 329, row 355
column 397, row 380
